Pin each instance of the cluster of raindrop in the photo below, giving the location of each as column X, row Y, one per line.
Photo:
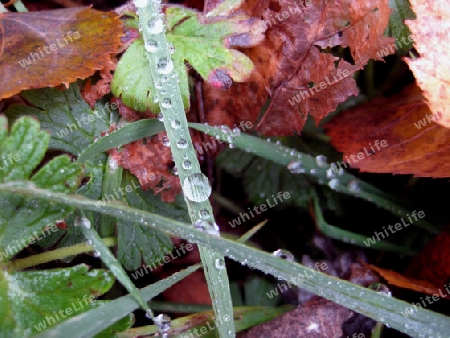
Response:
column 164, row 323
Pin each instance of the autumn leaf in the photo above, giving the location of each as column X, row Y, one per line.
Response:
column 413, row 142
column 431, row 31
column 291, row 68
column 47, row 48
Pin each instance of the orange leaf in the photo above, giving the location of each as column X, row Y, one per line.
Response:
column 393, row 135
column 431, row 31
column 47, row 48
column 394, row 278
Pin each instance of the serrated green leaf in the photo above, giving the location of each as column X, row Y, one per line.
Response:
column 263, row 178
column 72, row 123
column 203, row 46
column 35, row 300
column 133, row 80
column 137, row 243
column 98, row 319
column 22, row 221
column 401, row 11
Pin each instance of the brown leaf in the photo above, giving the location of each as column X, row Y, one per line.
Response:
column 414, row 144
column 396, row 279
column 48, row 48
column 289, row 61
column 317, row 318
column 431, row 31
column 433, row 262
column 150, row 162
column 191, row 290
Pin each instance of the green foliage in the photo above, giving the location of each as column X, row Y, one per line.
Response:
column 401, row 11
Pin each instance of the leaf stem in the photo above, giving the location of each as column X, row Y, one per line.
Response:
column 45, row 257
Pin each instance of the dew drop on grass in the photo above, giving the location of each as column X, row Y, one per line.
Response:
column 196, row 187
column 166, row 141
column 155, row 25
column 296, row 167
column 175, row 171
column 187, row 165
column 284, row 254
column 321, row 161
column 175, row 124
column 151, row 46
column 353, row 186
column 160, row 117
column 204, row 214
column 96, row 253
column 164, row 65
column 182, row 143
column 220, row 263
column 334, row 183
column 166, row 102
column 88, row 242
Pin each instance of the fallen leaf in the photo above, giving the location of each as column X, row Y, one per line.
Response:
column 414, row 143
column 431, row 31
column 47, row 48
column 397, row 279
column 433, row 262
column 289, row 63
column 191, row 290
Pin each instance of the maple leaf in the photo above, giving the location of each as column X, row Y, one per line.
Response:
column 414, row 143
column 289, row 62
column 48, row 48
column 431, row 32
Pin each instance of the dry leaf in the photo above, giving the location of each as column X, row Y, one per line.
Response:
column 47, row 48
column 393, row 135
column 431, row 32
column 289, row 61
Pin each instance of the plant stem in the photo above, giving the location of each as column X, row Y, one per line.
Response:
column 60, row 253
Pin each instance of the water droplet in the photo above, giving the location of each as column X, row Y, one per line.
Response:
column 166, row 102
column 321, row 161
column 164, row 78
column 231, row 145
column 296, row 167
column 353, row 186
column 155, row 99
column 171, row 48
column 166, row 141
column 182, row 143
column 187, row 164
column 155, row 25
column 151, row 46
column 84, row 222
column 163, row 322
column 175, row 171
column 175, row 124
column 148, row 314
column 334, row 183
column 220, row 263
column 381, row 288
column 88, row 242
column 96, row 253
column 330, row 172
column 236, row 131
column 140, row 3
column 204, row 214
column 312, row 171
column 196, row 187
column 160, row 117
column 284, row 254
column 164, row 65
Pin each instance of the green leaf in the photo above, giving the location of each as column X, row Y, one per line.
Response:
column 134, row 84
column 263, row 178
column 417, row 322
column 23, row 222
column 203, row 45
column 92, row 322
column 72, row 123
column 255, row 292
column 401, row 11
column 137, row 242
column 35, row 300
